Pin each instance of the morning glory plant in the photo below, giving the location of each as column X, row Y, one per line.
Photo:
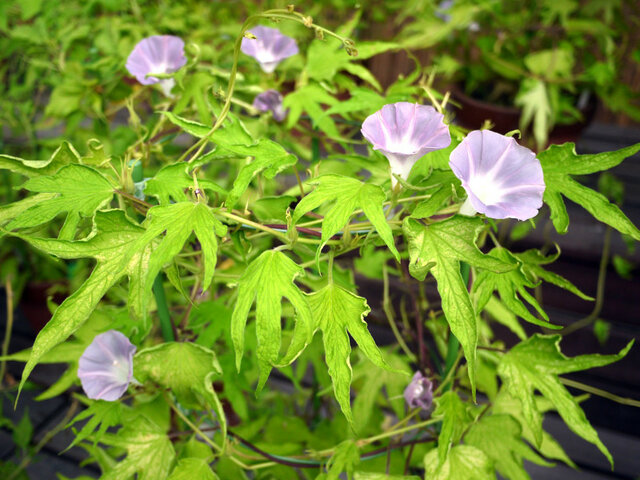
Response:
column 105, row 368
column 404, row 132
column 289, row 312
column 502, row 179
column 157, row 54
column 268, row 46
column 270, row 101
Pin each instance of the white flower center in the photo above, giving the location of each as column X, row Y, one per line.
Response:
column 485, row 189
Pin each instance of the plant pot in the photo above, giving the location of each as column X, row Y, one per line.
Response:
column 472, row 114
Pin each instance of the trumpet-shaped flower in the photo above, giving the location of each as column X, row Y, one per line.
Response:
column 404, row 132
column 269, row 47
column 502, row 179
column 106, row 366
column 270, row 101
column 419, row 393
column 157, row 54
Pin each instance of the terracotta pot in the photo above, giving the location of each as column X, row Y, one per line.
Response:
column 472, row 114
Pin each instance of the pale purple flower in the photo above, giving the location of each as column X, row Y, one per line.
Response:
column 157, row 54
column 269, row 47
column 419, row 393
column 404, row 132
column 501, row 178
column 270, row 101
column 106, row 366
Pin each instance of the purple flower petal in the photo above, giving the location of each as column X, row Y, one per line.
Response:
column 419, row 393
column 269, row 47
column 270, row 101
column 156, row 54
column 503, row 179
column 106, row 366
column 404, row 132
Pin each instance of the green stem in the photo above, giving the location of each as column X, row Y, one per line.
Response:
column 601, row 393
column 9, row 327
column 166, row 325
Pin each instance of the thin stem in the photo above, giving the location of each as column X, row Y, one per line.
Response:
column 388, row 310
column 602, row 276
column 450, row 374
column 8, row 328
column 399, row 431
column 601, row 393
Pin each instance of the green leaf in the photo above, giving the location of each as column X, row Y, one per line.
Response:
column 178, row 220
column 81, row 191
column 559, row 162
column 499, row 437
column 65, row 154
column 463, row 463
column 533, row 99
column 150, row 453
column 549, row 448
column 192, row 469
column 382, row 476
column 270, row 158
column 532, row 261
column 535, row 364
column 171, row 182
column 110, row 244
column 310, row 99
column 102, row 415
column 455, row 419
column 439, row 248
column 268, row 279
column 187, row 369
column 348, row 194
column 339, row 313
column 509, row 285
column 23, row 431
column 345, row 459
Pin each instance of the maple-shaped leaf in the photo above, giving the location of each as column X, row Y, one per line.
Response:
column 455, row 420
column 339, row 313
column 463, row 462
column 192, row 469
column 532, row 261
column 533, row 99
column 80, row 191
column 500, row 438
column 374, row 384
column 171, row 182
column 150, row 452
column 504, row 403
column 559, row 163
column 345, row 459
column 310, row 99
column 510, row 285
column 535, row 364
column 111, row 244
column 439, row 248
column 177, row 221
column 65, row 154
column 347, row 194
column 268, row 279
column 101, row 415
column 269, row 158
column 187, row 369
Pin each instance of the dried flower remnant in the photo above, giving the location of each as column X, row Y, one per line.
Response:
column 106, row 366
column 269, row 47
column 419, row 393
column 502, row 179
column 404, row 132
column 157, row 54
column 270, row 101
